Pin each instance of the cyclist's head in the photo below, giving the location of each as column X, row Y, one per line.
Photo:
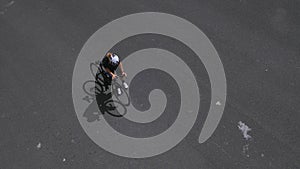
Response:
column 109, row 55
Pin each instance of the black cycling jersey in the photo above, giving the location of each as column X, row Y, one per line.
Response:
column 106, row 63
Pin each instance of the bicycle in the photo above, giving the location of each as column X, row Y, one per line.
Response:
column 97, row 86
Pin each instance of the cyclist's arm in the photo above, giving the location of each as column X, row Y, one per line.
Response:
column 108, row 71
column 121, row 67
column 122, row 70
column 113, row 76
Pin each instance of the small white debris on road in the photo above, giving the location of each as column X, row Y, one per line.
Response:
column 244, row 129
column 39, row 145
column 2, row 12
column 218, row 103
column 63, row 159
column 245, row 148
column 9, row 4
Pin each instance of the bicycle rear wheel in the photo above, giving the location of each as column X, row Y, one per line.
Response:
column 115, row 108
column 95, row 68
column 92, row 88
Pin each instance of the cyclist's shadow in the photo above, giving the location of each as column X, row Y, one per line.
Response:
column 99, row 96
column 92, row 113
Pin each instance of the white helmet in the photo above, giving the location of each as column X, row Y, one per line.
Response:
column 115, row 59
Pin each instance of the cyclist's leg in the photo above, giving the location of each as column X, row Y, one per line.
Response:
column 125, row 85
column 122, row 78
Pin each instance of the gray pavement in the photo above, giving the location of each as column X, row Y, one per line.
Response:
column 257, row 41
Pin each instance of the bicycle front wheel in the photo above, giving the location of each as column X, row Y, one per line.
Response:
column 124, row 97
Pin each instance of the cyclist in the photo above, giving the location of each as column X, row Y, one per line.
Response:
column 110, row 63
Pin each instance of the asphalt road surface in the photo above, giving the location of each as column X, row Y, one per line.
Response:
column 257, row 41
